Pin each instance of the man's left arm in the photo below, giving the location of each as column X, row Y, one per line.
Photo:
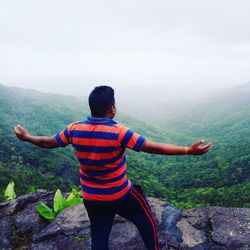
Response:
column 40, row 141
column 170, row 149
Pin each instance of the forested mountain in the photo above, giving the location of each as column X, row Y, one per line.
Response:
column 43, row 114
column 221, row 177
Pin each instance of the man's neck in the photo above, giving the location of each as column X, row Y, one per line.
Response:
column 110, row 116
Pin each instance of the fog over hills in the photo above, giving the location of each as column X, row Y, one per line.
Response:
column 141, row 100
column 213, row 179
column 173, row 102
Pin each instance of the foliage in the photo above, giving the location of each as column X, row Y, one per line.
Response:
column 74, row 198
column 46, row 212
column 32, row 189
column 60, row 203
column 10, row 192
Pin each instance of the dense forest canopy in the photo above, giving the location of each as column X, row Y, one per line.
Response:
column 221, row 177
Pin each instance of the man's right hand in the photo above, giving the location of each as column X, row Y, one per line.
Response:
column 21, row 132
column 40, row 141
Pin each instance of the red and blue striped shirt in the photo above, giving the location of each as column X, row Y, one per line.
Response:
column 100, row 145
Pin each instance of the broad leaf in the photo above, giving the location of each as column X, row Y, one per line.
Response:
column 59, row 202
column 74, row 198
column 9, row 192
column 45, row 211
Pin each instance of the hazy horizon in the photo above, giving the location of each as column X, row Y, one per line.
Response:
column 182, row 90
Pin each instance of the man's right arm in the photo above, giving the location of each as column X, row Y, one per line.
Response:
column 40, row 141
column 170, row 149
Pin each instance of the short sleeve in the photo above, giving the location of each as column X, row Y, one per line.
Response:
column 130, row 139
column 63, row 137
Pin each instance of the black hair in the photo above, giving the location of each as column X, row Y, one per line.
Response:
column 100, row 100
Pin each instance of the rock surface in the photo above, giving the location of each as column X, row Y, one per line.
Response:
column 21, row 227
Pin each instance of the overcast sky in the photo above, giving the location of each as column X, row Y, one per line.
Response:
column 63, row 45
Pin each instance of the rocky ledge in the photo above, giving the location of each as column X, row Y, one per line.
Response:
column 21, row 227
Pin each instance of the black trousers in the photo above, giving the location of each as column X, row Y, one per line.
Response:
column 134, row 208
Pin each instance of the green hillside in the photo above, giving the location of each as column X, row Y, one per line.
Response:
column 223, row 119
column 43, row 114
column 221, row 177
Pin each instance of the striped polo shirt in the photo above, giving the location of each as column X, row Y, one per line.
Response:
column 100, row 145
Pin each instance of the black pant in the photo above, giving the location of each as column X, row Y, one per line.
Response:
column 134, row 208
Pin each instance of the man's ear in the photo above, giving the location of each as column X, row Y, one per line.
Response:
column 113, row 110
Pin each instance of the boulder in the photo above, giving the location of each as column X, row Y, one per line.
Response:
column 231, row 227
column 21, row 227
column 69, row 222
column 119, row 235
column 19, row 220
column 225, row 227
column 169, row 233
column 191, row 236
column 5, row 232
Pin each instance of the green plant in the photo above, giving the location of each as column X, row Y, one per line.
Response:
column 45, row 212
column 60, row 203
column 32, row 189
column 74, row 198
column 9, row 192
column 81, row 239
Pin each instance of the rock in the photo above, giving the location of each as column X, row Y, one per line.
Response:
column 5, row 232
column 191, row 236
column 45, row 245
column 119, row 235
column 231, row 227
column 28, row 223
column 225, row 227
column 20, row 220
column 62, row 242
column 21, row 227
column 198, row 218
column 67, row 243
column 169, row 232
column 157, row 207
column 13, row 206
column 69, row 222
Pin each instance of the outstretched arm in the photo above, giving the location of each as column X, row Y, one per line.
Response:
column 41, row 141
column 170, row 149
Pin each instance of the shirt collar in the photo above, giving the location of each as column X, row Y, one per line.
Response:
column 94, row 120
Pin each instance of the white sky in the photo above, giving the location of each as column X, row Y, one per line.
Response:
column 61, row 45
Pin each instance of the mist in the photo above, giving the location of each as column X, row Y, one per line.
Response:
column 193, row 47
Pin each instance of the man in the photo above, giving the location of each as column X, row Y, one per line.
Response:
column 100, row 145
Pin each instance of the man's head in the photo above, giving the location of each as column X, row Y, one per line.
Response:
column 102, row 102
